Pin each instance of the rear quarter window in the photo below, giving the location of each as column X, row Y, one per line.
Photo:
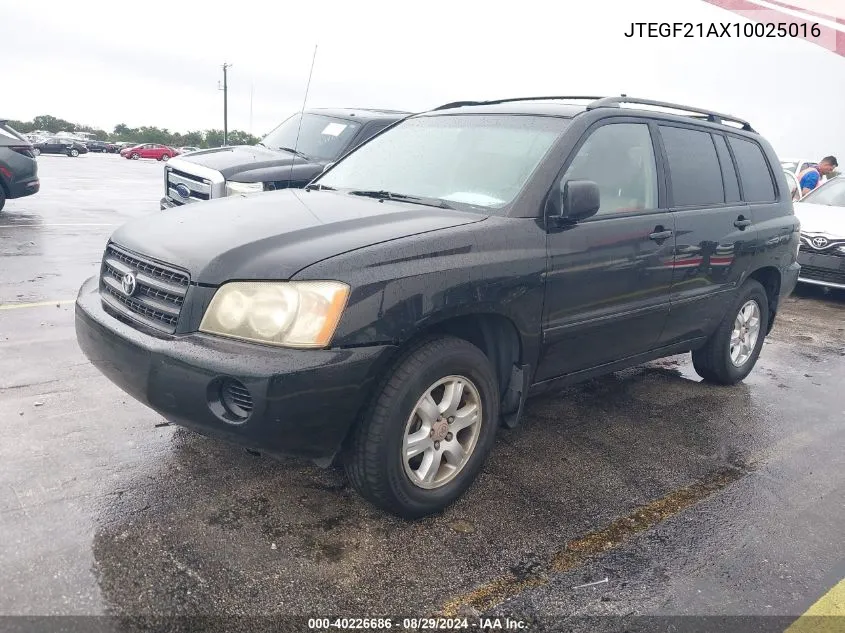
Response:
column 757, row 184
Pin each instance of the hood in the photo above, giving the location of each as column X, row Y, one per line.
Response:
column 253, row 163
column 273, row 235
column 821, row 218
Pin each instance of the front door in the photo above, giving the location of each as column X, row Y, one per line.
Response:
column 608, row 279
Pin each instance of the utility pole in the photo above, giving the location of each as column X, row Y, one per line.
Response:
column 251, row 90
column 225, row 90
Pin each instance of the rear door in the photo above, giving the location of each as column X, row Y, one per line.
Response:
column 715, row 234
column 609, row 276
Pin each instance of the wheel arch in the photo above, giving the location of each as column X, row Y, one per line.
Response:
column 770, row 278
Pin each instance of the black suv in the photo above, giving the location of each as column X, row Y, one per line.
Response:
column 405, row 303
column 290, row 156
column 18, row 168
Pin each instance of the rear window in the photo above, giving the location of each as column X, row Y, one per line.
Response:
column 694, row 169
column 757, row 185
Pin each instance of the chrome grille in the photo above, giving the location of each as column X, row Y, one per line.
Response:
column 159, row 289
column 200, row 188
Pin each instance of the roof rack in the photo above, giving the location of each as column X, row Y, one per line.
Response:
column 613, row 102
column 458, row 104
column 699, row 113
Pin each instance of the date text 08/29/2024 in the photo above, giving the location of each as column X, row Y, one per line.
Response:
column 724, row 29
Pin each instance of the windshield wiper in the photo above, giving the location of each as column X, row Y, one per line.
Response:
column 318, row 187
column 403, row 197
column 295, row 152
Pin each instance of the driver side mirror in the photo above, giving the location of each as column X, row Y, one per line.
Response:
column 578, row 199
column 325, row 169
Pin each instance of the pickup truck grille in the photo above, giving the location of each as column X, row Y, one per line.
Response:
column 198, row 188
column 155, row 298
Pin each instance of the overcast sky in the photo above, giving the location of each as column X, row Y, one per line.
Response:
column 100, row 63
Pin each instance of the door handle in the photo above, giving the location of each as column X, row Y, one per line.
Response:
column 742, row 222
column 659, row 234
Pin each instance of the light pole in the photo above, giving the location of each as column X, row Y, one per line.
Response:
column 225, row 90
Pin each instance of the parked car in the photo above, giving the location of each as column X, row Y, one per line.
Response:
column 404, row 304
column 59, row 145
column 18, row 167
column 186, row 150
column 793, row 184
column 149, row 150
column 100, row 146
column 822, row 253
column 290, row 156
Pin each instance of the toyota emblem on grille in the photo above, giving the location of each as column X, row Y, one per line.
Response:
column 128, row 284
column 819, row 242
column 183, row 190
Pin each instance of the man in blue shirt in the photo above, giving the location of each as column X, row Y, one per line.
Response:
column 811, row 177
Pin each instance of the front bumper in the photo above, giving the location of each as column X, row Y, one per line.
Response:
column 822, row 270
column 304, row 401
column 166, row 203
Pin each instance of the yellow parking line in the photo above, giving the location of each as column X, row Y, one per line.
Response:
column 827, row 615
column 38, row 304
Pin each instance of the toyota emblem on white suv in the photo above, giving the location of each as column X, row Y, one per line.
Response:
column 819, row 242
column 128, row 284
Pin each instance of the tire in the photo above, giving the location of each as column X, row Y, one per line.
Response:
column 2, row 197
column 164, row 158
column 714, row 362
column 36, row 151
column 373, row 458
column 73, row 153
column 135, row 156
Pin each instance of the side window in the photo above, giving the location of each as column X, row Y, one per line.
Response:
column 757, row 185
column 728, row 171
column 694, row 169
column 619, row 158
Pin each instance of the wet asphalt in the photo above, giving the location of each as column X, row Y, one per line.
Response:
column 677, row 498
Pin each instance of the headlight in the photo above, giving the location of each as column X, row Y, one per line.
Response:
column 233, row 187
column 288, row 314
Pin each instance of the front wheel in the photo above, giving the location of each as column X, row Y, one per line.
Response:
column 164, row 158
column 36, row 151
column 429, row 430
column 732, row 350
column 73, row 153
column 135, row 156
column 2, row 198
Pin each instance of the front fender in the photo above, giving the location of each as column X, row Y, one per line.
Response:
column 403, row 287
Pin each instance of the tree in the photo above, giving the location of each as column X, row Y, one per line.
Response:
column 143, row 134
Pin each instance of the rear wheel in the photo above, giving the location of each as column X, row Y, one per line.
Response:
column 427, row 434
column 36, row 151
column 73, row 153
column 732, row 351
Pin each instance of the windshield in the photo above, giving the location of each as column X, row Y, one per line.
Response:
column 831, row 194
column 479, row 160
column 321, row 137
column 790, row 166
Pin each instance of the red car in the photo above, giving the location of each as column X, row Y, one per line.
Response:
column 149, row 150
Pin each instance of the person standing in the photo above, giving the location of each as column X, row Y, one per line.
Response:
column 811, row 177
